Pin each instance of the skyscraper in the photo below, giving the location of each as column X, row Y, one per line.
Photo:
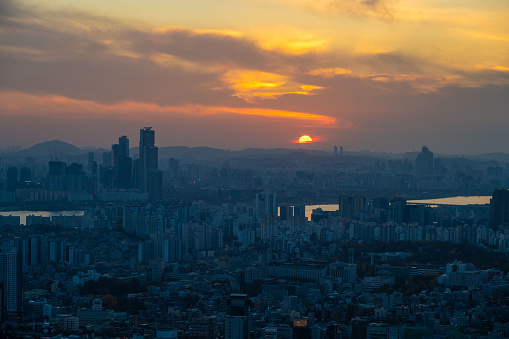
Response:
column 122, row 163
column 237, row 321
column 149, row 177
column 56, row 180
column 424, row 162
column 123, row 143
column 10, row 277
column 499, row 208
column 351, row 205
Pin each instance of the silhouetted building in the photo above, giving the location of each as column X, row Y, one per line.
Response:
column 173, row 168
column 237, row 320
column 266, row 203
column 155, row 185
column 148, row 160
column 56, row 180
column 351, row 205
column 123, row 143
column 74, row 177
column 124, row 172
column 499, row 208
column 286, row 212
column 90, row 161
column 25, row 174
column 107, row 159
column 12, row 178
column 10, row 277
column 424, row 162
column 107, row 176
column 115, row 149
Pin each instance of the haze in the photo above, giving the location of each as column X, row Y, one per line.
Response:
column 379, row 75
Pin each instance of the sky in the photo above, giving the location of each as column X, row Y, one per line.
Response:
column 379, row 75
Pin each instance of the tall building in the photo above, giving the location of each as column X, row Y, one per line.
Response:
column 266, row 203
column 56, row 178
column 12, row 178
column 74, row 176
column 236, row 324
column 351, row 205
column 499, row 208
column 115, row 150
column 122, row 163
column 25, row 174
column 10, row 278
column 424, row 162
column 124, row 172
column 123, row 143
column 91, row 156
column 147, row 159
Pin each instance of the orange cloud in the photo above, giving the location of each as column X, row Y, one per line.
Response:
column 18, row 103
column 330, row 72
column 249, row 85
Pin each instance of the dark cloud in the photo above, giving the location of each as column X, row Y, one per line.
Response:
column 383, row 9
column 208, row 48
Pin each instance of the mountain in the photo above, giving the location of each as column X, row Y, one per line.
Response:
column 51, row 149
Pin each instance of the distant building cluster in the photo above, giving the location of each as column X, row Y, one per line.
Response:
column 241, row 256
column 117, row 178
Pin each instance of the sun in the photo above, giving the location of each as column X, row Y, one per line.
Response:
column 305, row 139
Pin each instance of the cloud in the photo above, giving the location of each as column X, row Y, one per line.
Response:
column 376, row 8
column 191, row 125
column 380, row 9
column 250, row 85
column 18, row 103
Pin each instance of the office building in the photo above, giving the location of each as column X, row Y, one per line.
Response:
column 424, row 162
column 148, row 161
column 499, row 208
column 10, row 278
column 123, row 143
column 56, row 180
column 237, row 320
column 351, row 205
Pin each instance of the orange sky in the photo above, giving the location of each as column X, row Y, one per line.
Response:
column 381, row 75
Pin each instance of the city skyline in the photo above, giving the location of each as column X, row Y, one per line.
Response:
column 379, row 75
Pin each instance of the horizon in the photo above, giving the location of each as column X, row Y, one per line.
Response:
column 298, row 147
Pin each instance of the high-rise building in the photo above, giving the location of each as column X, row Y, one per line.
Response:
column 12, row 178
column 115, row 150
column 499, row 208
column 56, row 180
column 10, row 278
column 123, row 143
column 124, row 172
column 424, row 162
column 25, row 174
column 266, row 203
column 351, row 205
column 90, row 161
column 236, row 323
column 107, row 159
column 148, row 161
column 74, row 176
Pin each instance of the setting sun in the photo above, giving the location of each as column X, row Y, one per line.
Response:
column 305, row 139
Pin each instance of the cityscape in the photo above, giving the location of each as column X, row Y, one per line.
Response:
column 254, row 169
column 281, row 243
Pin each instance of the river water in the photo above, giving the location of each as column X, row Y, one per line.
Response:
column 458, row 201
column 24, row 214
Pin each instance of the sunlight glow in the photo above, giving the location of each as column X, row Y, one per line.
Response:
column 305, row 139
